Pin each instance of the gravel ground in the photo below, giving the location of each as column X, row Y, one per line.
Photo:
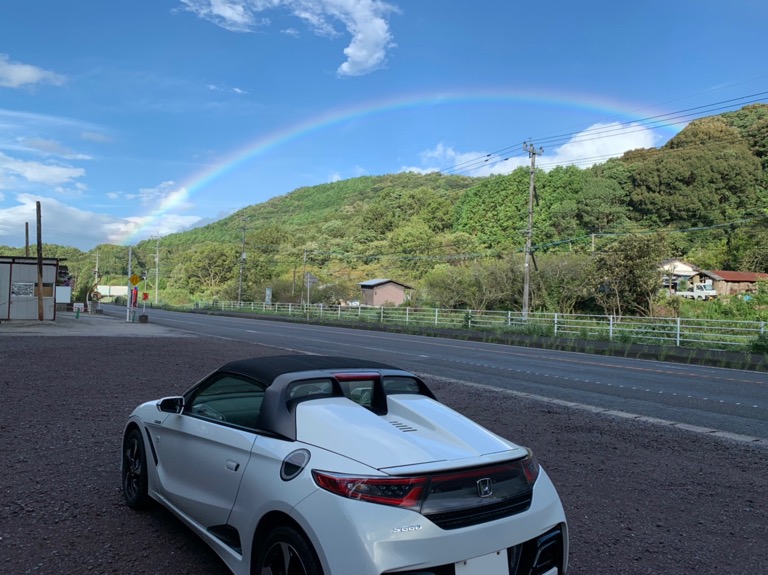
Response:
column 640, row 499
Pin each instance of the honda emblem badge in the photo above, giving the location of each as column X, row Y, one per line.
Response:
column 485, row 487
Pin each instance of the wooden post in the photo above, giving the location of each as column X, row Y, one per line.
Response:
column 40, row 306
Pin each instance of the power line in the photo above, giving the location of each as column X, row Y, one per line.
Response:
column 659, row 120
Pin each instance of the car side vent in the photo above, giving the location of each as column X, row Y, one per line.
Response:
column 403, row 426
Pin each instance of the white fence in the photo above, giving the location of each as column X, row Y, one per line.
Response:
column 680, row 332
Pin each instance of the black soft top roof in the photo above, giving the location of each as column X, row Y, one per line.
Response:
column 267, row 369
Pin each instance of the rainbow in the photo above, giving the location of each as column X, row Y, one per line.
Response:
column 608, row 109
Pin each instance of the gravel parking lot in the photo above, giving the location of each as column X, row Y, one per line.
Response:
column 641, row 499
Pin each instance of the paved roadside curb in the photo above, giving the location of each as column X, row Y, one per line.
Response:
column 87, row 325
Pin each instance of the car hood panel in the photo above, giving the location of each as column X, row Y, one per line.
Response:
column 416, row 433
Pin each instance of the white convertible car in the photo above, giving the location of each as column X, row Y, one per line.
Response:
column 313, row 465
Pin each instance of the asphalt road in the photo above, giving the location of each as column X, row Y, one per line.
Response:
column 710, row 400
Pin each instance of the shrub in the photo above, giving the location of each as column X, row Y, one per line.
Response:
column 759, row 344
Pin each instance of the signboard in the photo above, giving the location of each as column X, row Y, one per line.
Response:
column 23, row 289
column 135, row 279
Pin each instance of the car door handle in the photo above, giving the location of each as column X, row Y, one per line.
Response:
column 232, row 465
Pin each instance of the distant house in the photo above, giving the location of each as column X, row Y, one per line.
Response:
column 732, row 283
column 383, row 291
column 676, row 271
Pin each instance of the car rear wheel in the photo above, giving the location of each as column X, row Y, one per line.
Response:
column 135, row 471
column 286, row 552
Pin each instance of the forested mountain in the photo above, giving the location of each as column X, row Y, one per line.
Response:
column 459, row 240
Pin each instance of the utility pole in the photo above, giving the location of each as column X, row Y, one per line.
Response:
column 242, row 262
column 157, row 267
column 532, row 153
column 40, row 301
column 88, row 297
column 130, row 286
column 304, row 275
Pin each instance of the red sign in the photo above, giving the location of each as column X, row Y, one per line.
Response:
column 144, row 296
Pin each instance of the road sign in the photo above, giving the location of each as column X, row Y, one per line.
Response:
column 135, row 279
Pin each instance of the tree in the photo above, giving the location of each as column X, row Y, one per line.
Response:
column 495, row 211
column 444, row 286
column 748, row 249
column 479, row 284
column 411, row 246
column 561, row 282
column 206, row 269
column 627, row 275
column 706, row 175
column 602, row 206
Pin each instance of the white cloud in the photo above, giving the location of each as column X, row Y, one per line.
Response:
column 95, row 137
column 61, row 223
column 67, row 225
column 443, row 157
column 364, row 20
column 334, row 177
column 144, row 227
column 15, row 74
column 233, row 15
column 594, row 145
column 292, row 32
column 51, row 148
column 217, row 88
column 76, row 191
column 600, row 142
column 164, row 196
column 37, row 172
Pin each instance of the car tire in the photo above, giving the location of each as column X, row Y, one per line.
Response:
column 135, row 486
column 286, row 552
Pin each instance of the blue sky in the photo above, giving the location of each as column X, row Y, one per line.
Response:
column 132, row 120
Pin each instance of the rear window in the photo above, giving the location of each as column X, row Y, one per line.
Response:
column 394, row 385
column 358, row 389
column 310, row 388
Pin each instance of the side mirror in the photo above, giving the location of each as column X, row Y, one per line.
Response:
column 171, row 404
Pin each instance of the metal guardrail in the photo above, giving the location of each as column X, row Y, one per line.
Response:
column 679, row 332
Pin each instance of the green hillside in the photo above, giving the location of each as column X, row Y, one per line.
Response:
column 309, row 208
column 459, row 240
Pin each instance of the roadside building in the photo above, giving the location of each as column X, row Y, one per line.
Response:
column 19, row 288
column 384, row 291
column 732, row 283
column 677, row 272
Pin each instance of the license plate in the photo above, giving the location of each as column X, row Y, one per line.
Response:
column 491, row 564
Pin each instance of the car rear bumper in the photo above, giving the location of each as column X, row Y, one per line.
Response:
column 361, row 538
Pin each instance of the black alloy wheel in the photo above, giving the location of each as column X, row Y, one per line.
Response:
column 286, row 552
column 135, row 488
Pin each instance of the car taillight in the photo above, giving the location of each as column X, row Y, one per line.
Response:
column 406, row 492
column 441, row 492
column 531, row 468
